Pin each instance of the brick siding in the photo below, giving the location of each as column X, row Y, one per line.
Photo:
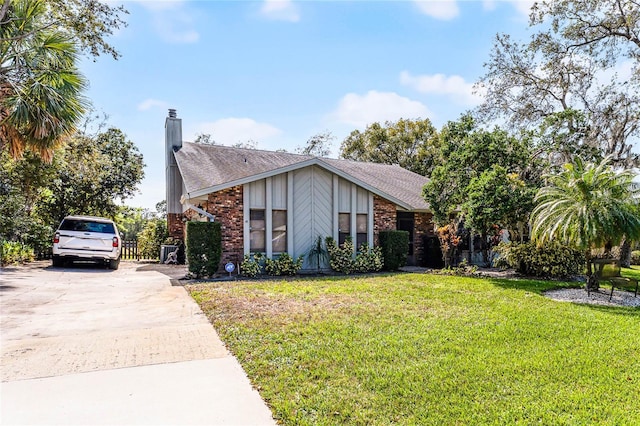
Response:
column 227, row 207
column 384, row 216
column 423, row 227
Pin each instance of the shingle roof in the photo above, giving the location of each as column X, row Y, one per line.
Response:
column 208, row 168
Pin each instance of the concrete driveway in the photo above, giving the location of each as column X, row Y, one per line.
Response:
column 87, row 345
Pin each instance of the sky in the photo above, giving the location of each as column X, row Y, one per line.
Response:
column 277, row 72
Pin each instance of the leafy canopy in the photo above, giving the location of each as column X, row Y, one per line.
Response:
column 411, row 144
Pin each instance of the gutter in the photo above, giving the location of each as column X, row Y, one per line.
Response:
column 205, row 213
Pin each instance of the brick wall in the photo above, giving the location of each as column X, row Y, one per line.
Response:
column 226, row 206
column 423, row 226
column 384, row 216
column 175, row 225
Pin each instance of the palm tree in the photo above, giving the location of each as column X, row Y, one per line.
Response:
column 40, row 85
column 587, row 206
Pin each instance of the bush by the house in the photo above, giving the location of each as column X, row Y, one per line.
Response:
column 368, row 260
column 152, row 236
column 12, row 252
column 283, row 265
column 252, row 265
column 395, row 248
column 204, row 247
column 552, row 260
column 341, row 257
column 635, row 257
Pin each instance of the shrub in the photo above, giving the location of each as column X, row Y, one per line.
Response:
column 12, row 252
column 283, row 265
column 252, row 265
column 341, row 257
column 635, row 257
column 204, row 247
column 152, row 236
column 552, row 260
column 368, row 260
column 395, row 248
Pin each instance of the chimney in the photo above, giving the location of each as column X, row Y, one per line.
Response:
column 173, row 143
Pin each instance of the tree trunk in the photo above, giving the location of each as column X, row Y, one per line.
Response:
column 592, row 283
column 625, row 253
column 485, row 250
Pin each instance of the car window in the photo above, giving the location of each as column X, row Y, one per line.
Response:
column 87, row 226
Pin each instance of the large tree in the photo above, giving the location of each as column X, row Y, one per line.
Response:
column 578, row 77
column 90, row 174
column 411, row 144
column 484, row 177
column 586, row 206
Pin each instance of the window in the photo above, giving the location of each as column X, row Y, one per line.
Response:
column 257, row 227
column 361, row 230
column 344, row 227
column 279, row 231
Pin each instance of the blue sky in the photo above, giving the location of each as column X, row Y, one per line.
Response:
column 278, row 72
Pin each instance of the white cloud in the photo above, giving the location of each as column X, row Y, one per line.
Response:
column 172, row 21
column 523, row 6
column 280, row 10
column 228, row 131
column 452, row 86
column 147, row 104
column 439, row 9
column 361, row 110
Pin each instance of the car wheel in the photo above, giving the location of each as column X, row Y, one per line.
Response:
column 57, row 261
column 113, row 264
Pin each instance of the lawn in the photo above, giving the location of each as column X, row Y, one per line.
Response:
column 429, row 349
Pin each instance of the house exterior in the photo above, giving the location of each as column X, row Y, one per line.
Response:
column 275, row 202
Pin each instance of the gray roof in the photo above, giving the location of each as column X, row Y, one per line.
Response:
column 210, row 168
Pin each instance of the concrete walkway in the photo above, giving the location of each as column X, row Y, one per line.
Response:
column 88, row 346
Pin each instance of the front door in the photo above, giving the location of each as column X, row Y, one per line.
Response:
column 405, row 221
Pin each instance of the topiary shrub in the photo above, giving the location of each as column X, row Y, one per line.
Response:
column 635, row 257
column 283, row 265
column 552, row 260
column 204, row 247
column 395, row 248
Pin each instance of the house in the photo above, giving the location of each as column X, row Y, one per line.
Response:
column 275, row 202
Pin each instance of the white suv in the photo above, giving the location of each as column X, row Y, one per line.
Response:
column 87, row 238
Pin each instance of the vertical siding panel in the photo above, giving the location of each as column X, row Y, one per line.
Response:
column 268, row 218
column 362, row 204
column 290, row 225
column 279, row 192
column 302, row 211
column 246, row 194
column 336, row 203
column 257, row 191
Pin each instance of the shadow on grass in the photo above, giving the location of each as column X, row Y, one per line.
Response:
column 629, row 311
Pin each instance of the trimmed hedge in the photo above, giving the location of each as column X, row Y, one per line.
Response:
column 553, row 260
column 395, row 248
column 204, row 247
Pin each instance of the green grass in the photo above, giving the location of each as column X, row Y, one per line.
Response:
column 429, row 349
